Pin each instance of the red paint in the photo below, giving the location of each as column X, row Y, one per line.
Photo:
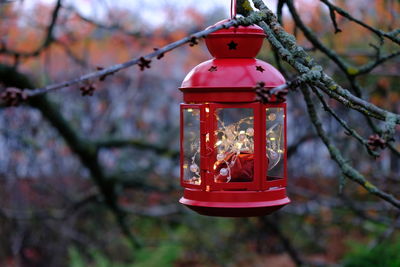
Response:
column 248, row 39
column 242, row 169
column 228, row 81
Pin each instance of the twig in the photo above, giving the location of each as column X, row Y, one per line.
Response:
column 334, row 22
column 255, row 17
column 266, row 94
column 48, row 39
column 347, row 68
column 381, row 34
column 344, row 124
column 350, row 72
column 112, row 27
column 347, row 170
column 138, row 144
column 288, row 50
column 367, row 68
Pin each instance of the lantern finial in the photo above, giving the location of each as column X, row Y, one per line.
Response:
column 235, row 42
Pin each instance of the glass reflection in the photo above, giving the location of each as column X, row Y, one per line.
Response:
column 234, row 145
column 191, row 146
column 275, row 142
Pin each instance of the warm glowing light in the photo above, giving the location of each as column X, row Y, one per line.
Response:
column 194, row 168
column 220, row 157
column 207, row 110
column 218, row 143
column 190, row 110
column 224, row 172
column 272, row 117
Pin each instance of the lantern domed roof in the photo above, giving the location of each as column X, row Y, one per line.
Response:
column 233, row 73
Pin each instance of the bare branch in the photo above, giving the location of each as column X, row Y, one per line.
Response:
column 137, row 143
column 255, row 17
column 367, row 68
column 351, row 72
column 334, row 22
column 346, row 67
column 381, row 34
column 346, row 168
column 48, row 39
column 288, row 50
column 113, row 27
column 344, row 124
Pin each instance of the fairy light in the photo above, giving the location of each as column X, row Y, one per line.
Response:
column 239, row 145
column 274, row 136
column 224, row 172
column 238, row 138
column 220, row 157
column 233, row 139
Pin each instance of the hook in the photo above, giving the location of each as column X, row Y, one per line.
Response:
column 233, row 9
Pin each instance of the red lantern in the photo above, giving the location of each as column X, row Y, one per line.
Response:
column 233, row 148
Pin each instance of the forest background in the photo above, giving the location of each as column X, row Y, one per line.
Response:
column 93, row 180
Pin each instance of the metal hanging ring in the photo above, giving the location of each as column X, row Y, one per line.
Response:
column 233, row 9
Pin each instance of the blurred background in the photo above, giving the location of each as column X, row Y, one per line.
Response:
column 53, row 213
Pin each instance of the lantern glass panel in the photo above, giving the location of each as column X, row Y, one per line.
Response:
column 234, row 145
column 191, row 146
column 275, row 143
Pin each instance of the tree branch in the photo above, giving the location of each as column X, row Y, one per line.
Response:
column 253, row 18
column 288, row 50
column 48, row 39
column 344, row 124
column 138, row 144
column 381, row 34
column 350, row 72
column 84, row 149
column 346, row 67
column 112, row 27
column 346, row 169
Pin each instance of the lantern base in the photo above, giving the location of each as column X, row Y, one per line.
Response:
column 235, row 203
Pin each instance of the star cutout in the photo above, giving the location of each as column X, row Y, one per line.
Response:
column 232, row 45
column 213, row 68
column 260, row 69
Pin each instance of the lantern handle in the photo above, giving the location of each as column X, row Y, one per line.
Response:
column 233, row 9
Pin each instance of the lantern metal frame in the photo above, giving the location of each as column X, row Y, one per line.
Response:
column 227, row 82
column 208, row 153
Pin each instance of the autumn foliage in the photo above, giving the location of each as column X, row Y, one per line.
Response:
column 89, row 173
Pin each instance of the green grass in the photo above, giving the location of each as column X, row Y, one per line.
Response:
column 386, row 254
